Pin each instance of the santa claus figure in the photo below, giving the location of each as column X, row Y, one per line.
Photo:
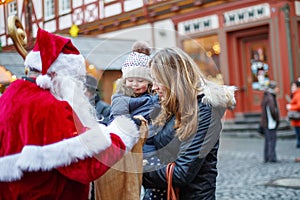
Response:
column 52, row 146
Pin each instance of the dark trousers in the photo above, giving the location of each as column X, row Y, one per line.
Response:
column 270, row 146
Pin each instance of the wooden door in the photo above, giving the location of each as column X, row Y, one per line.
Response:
column 257, row 67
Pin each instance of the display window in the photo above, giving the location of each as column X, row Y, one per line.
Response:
column 206, row 53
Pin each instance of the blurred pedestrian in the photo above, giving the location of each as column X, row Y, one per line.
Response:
column 52, row 147
column 294, row 105
column 92, row 92
column 270, row 119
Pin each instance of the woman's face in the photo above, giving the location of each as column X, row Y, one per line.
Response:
column 138, row 85
column 159, row 89
column 293, row 87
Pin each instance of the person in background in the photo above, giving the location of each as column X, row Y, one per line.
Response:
column 189, row 125
column 92, row 92
column 270, row 119
column 295, row 106
column 52, row 146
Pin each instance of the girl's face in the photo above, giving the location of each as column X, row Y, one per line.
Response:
column 138, row 85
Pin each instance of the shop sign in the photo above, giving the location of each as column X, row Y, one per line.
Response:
column 248, row 14
column 198, row 24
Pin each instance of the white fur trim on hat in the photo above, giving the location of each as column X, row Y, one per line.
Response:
column 33, row 60
column 73, row 64
column 137, row 72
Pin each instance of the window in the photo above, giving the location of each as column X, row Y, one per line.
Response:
column 64, row 7
column 12, row 8
column 49, row 9
column 205, row 51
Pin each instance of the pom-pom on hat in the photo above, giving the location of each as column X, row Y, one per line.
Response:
column 136, row 66
column 52, row 53
column 141, row 47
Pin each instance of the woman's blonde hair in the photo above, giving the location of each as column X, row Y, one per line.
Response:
column 183, row 80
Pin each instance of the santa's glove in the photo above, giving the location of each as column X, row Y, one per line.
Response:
column 126, row 129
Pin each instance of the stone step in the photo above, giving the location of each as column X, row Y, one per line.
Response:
column 250, row 125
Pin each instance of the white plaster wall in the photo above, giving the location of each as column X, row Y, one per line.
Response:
column 65, row 21
column 38, row 7
column 89, row 1
column 131, row 5
column 77, row 3
column 165, row 35
column 113, row 9
column 161, row 34
column 50, row 26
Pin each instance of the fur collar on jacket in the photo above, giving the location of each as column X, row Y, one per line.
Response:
column 219, row 95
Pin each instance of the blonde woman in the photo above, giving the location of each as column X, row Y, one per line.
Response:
column 189, row 125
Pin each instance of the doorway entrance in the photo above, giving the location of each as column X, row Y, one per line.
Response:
column 253, row 65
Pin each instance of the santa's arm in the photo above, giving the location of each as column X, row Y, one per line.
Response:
column 85, row 157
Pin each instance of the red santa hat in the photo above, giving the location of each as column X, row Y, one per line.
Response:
column 53, row 53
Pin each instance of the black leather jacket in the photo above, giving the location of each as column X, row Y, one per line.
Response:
column 196, row 158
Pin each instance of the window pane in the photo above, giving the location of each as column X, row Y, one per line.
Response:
column 12, row 8
column 206, row 53
column 49, row 9
column 64, row 6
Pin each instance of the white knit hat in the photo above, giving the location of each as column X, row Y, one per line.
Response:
column 136, row 66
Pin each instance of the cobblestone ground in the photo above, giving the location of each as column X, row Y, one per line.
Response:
column 244, row 176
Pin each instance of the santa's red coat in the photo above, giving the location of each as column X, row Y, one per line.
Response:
column 30, row 115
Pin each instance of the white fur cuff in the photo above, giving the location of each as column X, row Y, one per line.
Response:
column 9, row 171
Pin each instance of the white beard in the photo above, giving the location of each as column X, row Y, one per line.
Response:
column 72, row 90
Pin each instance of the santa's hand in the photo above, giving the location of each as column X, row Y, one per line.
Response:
column 126, row 129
